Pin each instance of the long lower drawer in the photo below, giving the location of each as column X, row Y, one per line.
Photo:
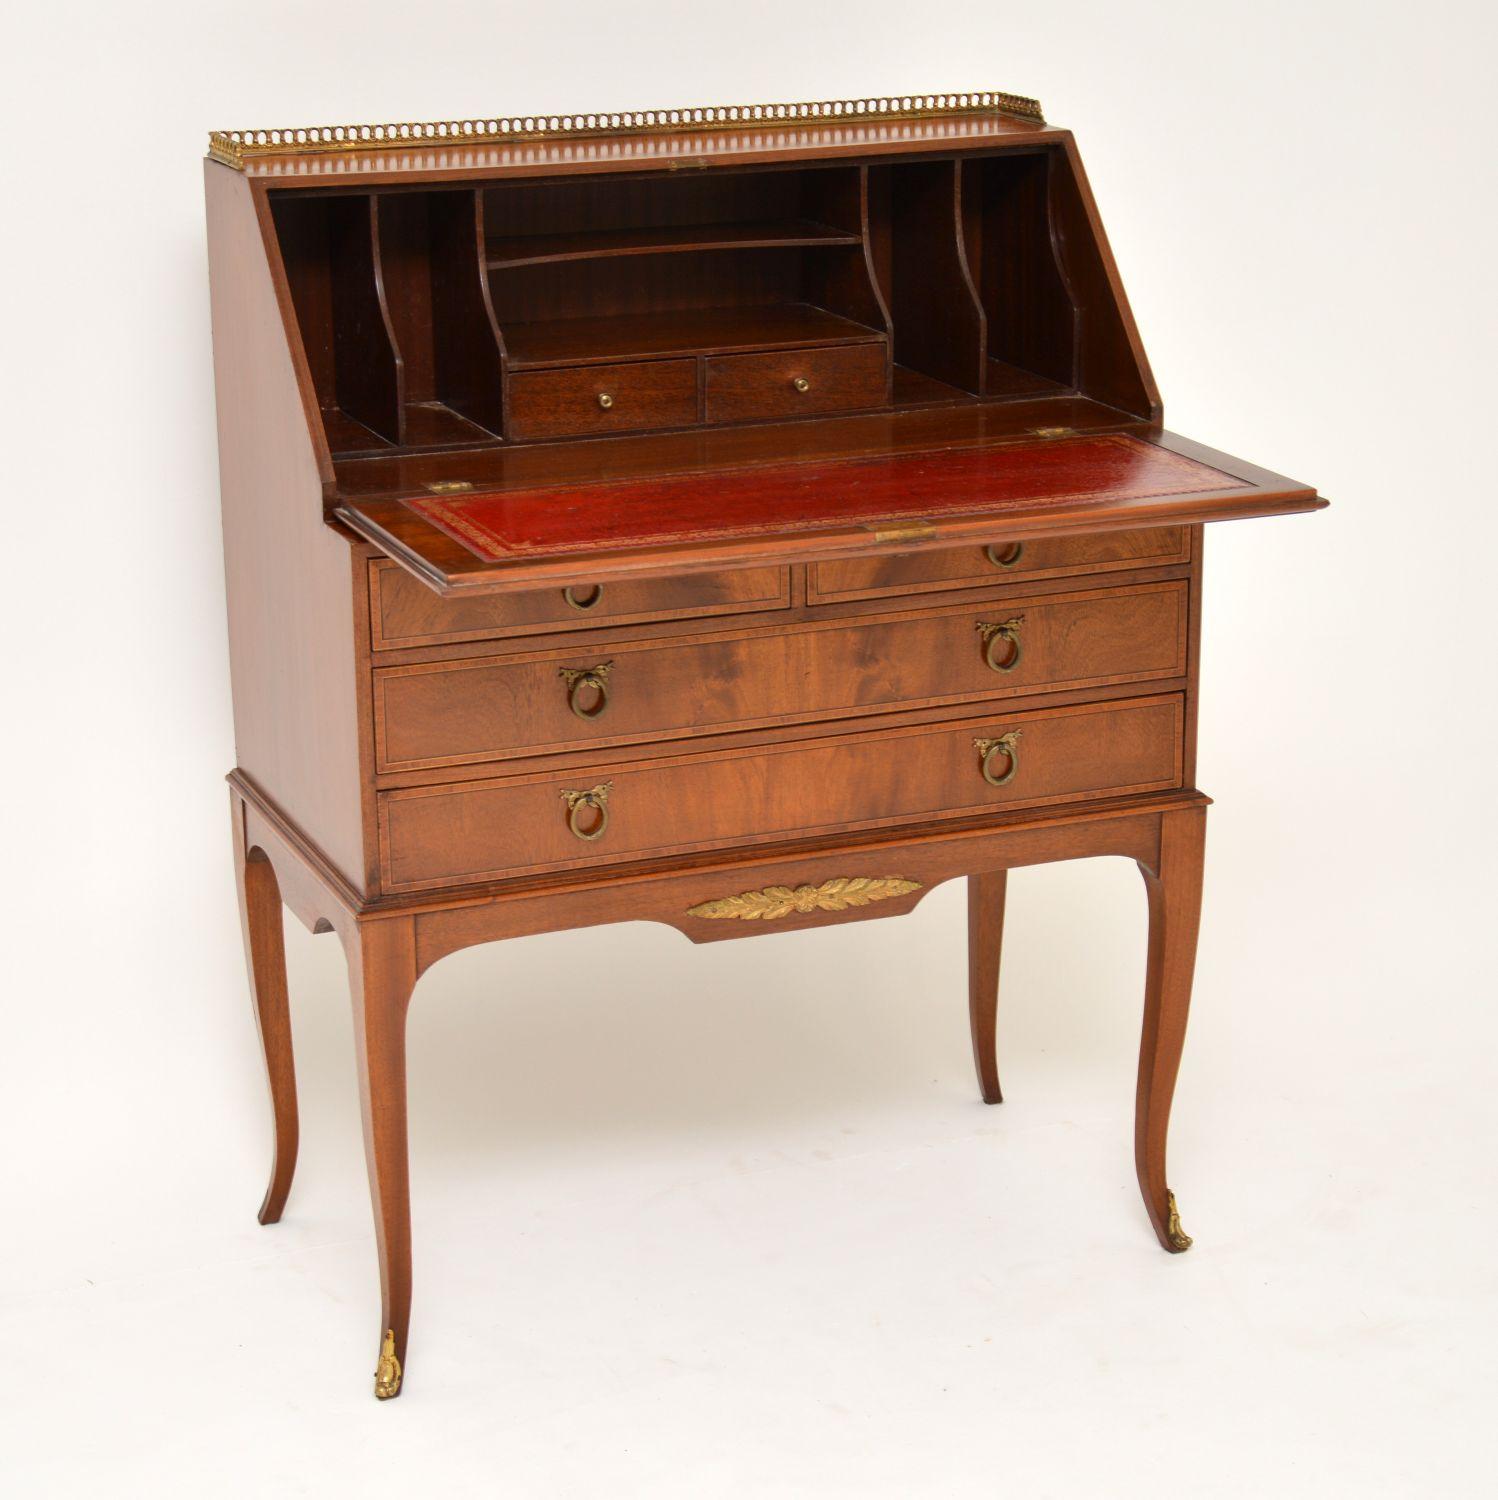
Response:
column 448, row 713
column 612, row 811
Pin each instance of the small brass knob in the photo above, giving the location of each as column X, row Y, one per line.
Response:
column 605, row 400
column 1005, row 557
column 801, row 384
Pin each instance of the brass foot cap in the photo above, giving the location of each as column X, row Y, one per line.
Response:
column 1179, row 1239
column 388, row 1371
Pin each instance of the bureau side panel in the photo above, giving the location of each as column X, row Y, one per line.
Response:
column 290, row 579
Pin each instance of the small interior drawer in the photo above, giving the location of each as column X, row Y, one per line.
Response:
column 974, row 567
column 603, row 398
column 405, row 612
column 795, row 382
column 611, row 811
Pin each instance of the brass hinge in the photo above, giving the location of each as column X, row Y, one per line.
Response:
column 448, row 486
column 1055, row 432
column 902, row 531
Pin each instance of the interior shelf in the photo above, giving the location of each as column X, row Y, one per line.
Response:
column 1009, row 381
column 431, row 424
column 597, row 244
column 695, row 330
column 349, row 437
column 425, row 426
column 912, row 388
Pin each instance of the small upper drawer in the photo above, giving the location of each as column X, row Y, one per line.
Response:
column 603, row 398
column 405, row 612
column 795, row 382
column 971, row 567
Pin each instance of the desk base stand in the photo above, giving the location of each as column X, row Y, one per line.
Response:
column 390, row 942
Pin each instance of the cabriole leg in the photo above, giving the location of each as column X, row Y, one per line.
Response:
column 265, row 955
column 382, row 973
column 985, row 936
column 1175, row 896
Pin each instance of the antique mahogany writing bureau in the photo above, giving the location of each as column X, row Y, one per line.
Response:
column 743, row 519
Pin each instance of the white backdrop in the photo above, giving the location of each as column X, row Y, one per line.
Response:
column 817, row 1267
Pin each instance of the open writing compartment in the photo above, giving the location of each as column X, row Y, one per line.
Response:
column 679, row 518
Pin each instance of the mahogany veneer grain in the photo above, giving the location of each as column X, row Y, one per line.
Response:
column 682, row 527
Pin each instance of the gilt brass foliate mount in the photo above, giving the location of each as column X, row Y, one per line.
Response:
column 1179, row 1239
column 1003, row 632
column 776, row 901
column 596, row 799
column 235, row 147
column 579, row 679
column 388, row 1370
column 1006, row 745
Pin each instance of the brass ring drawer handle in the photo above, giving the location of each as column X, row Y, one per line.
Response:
column 580, row 804
column 801, row 385
column 581, row 679
column 591, row 602
column 1003, row 633
column 1005, row 557
column 1005, row 747
column 605, row 400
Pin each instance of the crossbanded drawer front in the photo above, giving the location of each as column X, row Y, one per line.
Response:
column 596, row 399
column 974, row 567
column 451, row 835
column 795, row 382
column 405, row 612
column 453, row 713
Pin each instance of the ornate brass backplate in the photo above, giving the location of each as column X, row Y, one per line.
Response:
column 1006, row 745
column 580, row 679
column 776, row 901
column 578, row 803
column 1005, row 633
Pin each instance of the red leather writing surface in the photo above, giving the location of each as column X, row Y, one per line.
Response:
column 803, row 497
